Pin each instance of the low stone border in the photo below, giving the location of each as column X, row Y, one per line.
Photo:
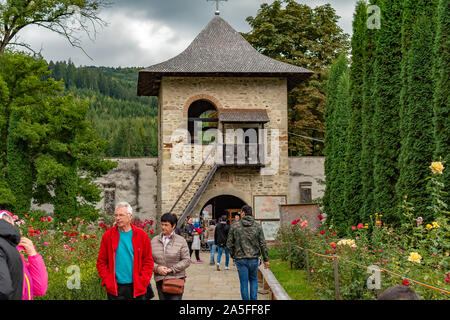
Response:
column 270, row 283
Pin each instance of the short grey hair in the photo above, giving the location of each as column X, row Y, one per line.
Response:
column 125, row 204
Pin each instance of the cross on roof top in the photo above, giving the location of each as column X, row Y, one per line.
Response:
column 217, row 6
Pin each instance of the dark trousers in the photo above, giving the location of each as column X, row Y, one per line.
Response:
column 197, row 252
column 166, row 296
column 125, row 292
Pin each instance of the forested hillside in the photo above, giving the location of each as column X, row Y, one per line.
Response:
column 118, row 115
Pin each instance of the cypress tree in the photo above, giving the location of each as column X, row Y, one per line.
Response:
column 386, row 115
column 341, row 116
column 367, row 148
column 416, row 117
column 353, row 184
column 336, row 71
column 441, row 99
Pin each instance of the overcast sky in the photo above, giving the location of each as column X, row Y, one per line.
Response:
column 141, row 33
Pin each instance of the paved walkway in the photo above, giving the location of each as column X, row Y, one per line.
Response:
column 204, row 282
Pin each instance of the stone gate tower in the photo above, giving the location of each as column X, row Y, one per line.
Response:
column 223, row 129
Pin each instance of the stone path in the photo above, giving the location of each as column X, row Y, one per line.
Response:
column 204, row 282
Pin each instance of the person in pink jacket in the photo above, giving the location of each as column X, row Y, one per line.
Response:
column 35, row 278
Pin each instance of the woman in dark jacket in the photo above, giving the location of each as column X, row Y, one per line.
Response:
column 11, row 266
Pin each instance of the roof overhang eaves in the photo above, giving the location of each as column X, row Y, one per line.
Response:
column 150, row 81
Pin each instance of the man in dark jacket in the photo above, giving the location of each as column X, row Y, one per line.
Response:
column 125, row 262
column 246, row 244
column 220, row 240
column 11, row 266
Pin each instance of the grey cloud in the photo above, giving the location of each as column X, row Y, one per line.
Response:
column 182, row 20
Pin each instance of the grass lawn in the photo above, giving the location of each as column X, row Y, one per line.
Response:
column 293, row 281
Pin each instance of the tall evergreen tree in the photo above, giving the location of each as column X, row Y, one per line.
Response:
column 386, row 115
column 367, row 144
column 352, row 184
column 416, row 117
column 341, row 117
column 441, row 99
column 338, row 68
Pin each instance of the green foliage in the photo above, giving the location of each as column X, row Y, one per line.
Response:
column 368, row 106
column 441, row 97
column 127, row 122
column 387, row 89
column 417, row 143
column 15, row 15
column 49, row 142
column 352, row 180
column 308, row 37
column 337, row 117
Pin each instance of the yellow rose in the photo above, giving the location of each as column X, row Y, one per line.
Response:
column 435, row 225
column 437, row 167
column 429, row 226
column 415, row 257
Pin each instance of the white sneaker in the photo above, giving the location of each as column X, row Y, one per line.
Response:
column 218, row 267
column 226, row 268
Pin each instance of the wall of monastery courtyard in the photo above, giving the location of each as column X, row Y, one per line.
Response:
column 135, row 181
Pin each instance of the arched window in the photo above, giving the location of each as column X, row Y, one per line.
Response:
column 202, row 116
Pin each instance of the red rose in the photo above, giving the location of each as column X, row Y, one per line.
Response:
column 360, row 226
column 406, row 283
column 320, row 217
column 322, row 232
column 447, row 280
column 49, row 219
column 333, row 234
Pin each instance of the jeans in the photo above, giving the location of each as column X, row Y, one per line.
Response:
column 213, row 248
column 248, row 272
column 227, row 255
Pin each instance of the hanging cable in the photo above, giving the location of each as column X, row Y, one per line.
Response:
column 299, row 135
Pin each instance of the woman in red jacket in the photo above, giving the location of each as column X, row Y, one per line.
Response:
column 125, row 262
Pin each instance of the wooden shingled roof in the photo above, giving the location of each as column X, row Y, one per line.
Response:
column 219, row 50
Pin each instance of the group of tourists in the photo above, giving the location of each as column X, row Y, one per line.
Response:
column 127, row 258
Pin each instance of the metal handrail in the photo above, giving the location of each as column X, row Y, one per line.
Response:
column 192, row 179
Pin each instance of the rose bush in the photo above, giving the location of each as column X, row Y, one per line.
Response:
column 418, row 250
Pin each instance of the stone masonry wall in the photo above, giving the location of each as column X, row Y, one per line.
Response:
column 177, row 94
